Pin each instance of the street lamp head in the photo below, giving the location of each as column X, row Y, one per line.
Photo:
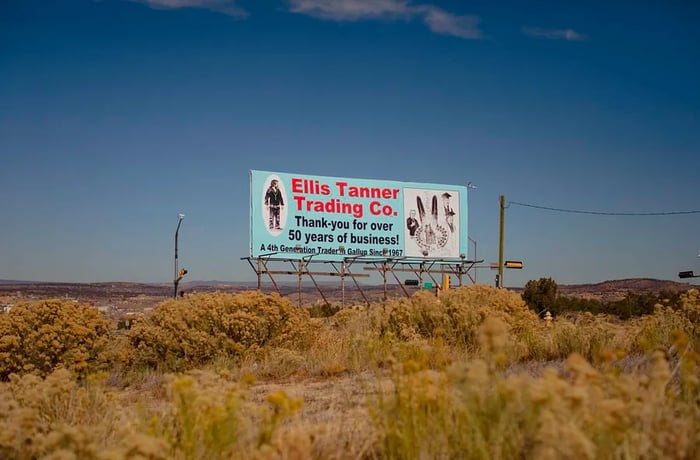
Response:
column 180, row 216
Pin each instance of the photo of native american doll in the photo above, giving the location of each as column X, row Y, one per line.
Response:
column 274, row 209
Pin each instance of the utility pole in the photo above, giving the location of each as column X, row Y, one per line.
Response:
column 500, row 241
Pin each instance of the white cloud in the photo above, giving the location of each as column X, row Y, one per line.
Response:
column 442, row 22
column 554, row 34
column 438, row 20
column 351, row 10
column 220, row 6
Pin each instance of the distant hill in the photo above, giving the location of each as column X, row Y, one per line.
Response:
column 19, row 282
column 108, row 291
column 617, row 289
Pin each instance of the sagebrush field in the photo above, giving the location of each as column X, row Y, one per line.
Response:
column 475, row 374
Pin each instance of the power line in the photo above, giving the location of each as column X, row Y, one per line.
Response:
column 602, row 213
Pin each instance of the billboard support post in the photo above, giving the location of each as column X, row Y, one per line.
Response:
column 300, row 264
column 473, row 278
column 384, row 269
column 342, row 284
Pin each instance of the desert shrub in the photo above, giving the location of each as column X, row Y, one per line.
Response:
column 47, row 417
column 470, row 305
column 193, row 330
column 279, row 362
column 456, row 317
column 658, row 331
column 473, row 410
column 689, row 307
column 352, row 317
column 209, row 416
column 350, row 342
column 201, row 415
column 418, row 316
column 586, row 334
column 323, row 310
column 41, row 336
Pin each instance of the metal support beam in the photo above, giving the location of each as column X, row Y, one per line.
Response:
column 354, row 279
column 301, row 267
column 313, row 280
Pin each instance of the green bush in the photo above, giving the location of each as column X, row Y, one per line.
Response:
column 540, row 295
column 42, row 336
column 565, row 304
column 631, row 306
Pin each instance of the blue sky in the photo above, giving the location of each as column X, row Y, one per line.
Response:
column 115, row 115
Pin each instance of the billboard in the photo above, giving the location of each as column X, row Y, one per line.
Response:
column 297, row 215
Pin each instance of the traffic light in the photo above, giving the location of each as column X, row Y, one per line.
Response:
column 514, row 264
column 183, row 272
column 687, row 274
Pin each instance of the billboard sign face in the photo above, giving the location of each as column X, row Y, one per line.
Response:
column 297, row 215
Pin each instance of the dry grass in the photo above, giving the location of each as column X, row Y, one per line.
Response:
column 474, row 376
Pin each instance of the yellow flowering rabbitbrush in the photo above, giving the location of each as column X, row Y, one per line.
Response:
column 183, row 333
column 38, row 337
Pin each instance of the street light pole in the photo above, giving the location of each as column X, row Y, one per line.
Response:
column 176, row 277
column 471, row 186
column 501, row 228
